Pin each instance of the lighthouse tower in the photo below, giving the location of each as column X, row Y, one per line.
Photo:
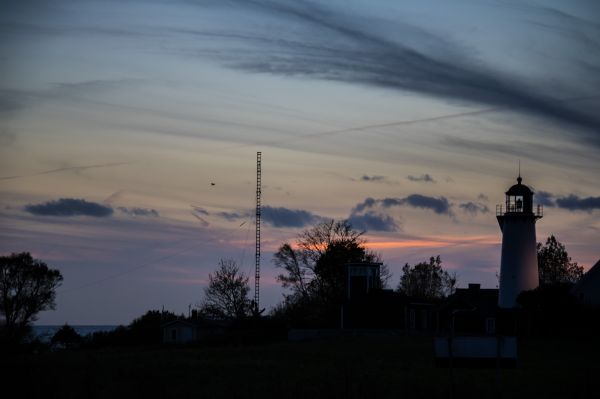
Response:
column 518, row 266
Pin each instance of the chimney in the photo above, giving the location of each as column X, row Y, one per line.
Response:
column 474, row 288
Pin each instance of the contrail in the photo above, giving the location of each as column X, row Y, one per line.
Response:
column 374, row 126
column 47, row 172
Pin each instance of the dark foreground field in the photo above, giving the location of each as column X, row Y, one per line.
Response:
column 369, row 367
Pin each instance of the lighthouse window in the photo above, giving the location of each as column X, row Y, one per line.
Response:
column 519, row 203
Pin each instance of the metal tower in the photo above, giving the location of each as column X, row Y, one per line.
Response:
column 258, row 196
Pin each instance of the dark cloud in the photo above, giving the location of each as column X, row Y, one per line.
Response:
column 571, row 202
column 139, row 211
column 423, row 178
column 284, row 217
column 372, row 178
column 439, row 205
column 275, row 216
column 66, row 207
column 482, row 197
column 232, row 216
column 473, row 207
column 372, row 221
column 200, row 210
column 574, row 203
column 544, row 198
column 363, row 54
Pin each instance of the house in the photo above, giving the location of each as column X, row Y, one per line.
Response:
column 472, row 310
column 184, row 331
column 587, row 289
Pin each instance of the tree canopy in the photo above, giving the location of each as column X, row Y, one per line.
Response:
column 67, row 335
column 427, row 280
column 313, row 268
column 227, row 293
column 27, row 287
column 555, row 265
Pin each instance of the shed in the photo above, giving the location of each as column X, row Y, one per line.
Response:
column 179, row 332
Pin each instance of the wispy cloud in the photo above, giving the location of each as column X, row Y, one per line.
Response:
column 66, row 169
column 423, row 178
column 363, row 55
column 138, row 211
column 474, row 207
column 372, row 178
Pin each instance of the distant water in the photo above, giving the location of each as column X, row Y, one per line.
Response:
column 45, row 333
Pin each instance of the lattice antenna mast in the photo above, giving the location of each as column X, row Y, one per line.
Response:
column 258, row 212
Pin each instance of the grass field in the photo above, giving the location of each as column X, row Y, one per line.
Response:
column 358, row 367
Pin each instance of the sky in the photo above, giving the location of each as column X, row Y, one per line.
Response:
column 408, row 118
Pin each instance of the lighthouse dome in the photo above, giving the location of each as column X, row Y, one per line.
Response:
column 519, row 189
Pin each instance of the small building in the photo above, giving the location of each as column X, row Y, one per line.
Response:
column 179, row 332
column 362, row 278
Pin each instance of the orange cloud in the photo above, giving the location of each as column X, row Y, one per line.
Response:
column 435, row 242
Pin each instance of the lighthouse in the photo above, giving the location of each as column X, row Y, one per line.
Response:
column 518, row 265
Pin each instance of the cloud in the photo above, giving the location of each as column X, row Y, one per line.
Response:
column 66, row 207
column 330, row 44
column 571, row 202
column 483, row 197
column 574, row 203
column 284, row 217
column 372, row 221
column 139, row 211
column 274, row 216
column 232, row 216
column 200, row 210
column 423, row 178
column 544, row 198
column 372, row 178
column 474, row 208
column 439, row 205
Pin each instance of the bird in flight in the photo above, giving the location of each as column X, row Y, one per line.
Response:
column 212, row 184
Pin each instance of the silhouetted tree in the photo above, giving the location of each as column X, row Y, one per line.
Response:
column 227, row 293
column 555, row 265
column 27, row 287
column 315, row 269
column 143, row 330
column 67, row 335
column 427, row 280
column 146, row 329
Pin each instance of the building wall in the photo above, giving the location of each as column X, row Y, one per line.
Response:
column 519, row 268
column 178, row 334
